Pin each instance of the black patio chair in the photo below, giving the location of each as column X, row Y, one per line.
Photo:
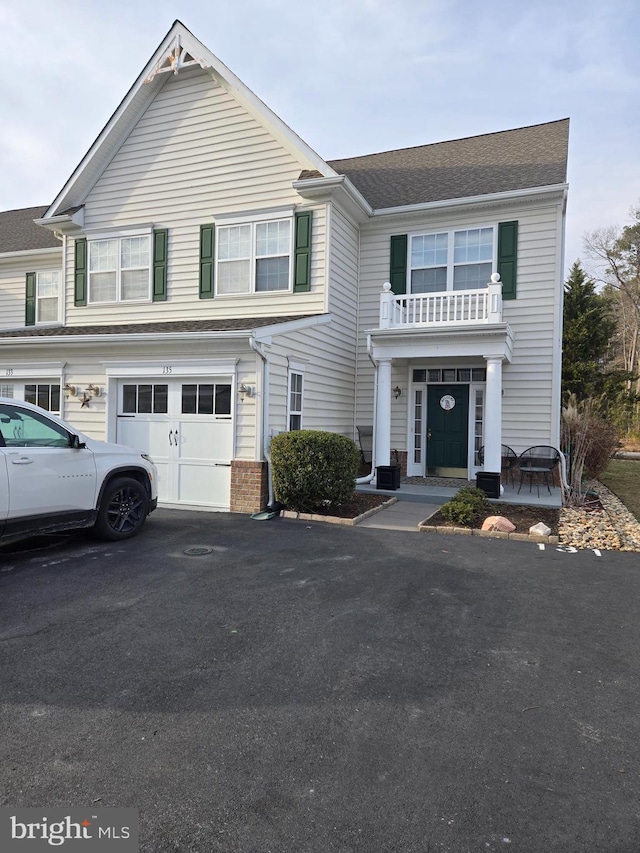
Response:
column 539, row 461
column 365, row 441
column 508, row 461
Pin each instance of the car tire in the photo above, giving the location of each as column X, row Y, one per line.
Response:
column 123, row 510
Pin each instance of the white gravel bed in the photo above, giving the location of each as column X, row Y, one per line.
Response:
column 613, row 528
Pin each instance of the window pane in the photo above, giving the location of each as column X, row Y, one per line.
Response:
column 429, row 250
column 129, row 399
column 135, row 284
column 44, row 400
column 448, row 375
column 30, row 395
column 234, row 242
column 145, row 399
column 464, row 374
column 55, row 398
column 420, row 375
column 189, row 399
column 160, row 399
column 205, row 399
column 134, row 252
column 273, row 238
column 48, row 284
column 471, row 276
column 479, row 374
column 295, row 422
column 272, row 274
column 473, row 245
column 435, row 375
column 234, row 277
column 47, row 310
column 103, row 255
column 102, row 287
column 429, row 281
column 223, row 399
column 6, row 390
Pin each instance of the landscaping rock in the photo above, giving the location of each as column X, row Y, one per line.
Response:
column 540, row 529
column 499, row 523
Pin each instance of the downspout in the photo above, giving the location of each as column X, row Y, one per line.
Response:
column 361, row 481
column 262, row 428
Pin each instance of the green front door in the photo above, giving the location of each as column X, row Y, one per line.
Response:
column 447, row 430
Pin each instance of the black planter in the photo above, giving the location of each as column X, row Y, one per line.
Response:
column 489, row 483
column 388, row 477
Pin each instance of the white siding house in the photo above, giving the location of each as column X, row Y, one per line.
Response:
column 205, row 280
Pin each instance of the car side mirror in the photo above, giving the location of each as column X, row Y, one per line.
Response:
column 76, row 444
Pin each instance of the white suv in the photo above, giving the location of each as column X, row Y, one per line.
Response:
column 54, row 478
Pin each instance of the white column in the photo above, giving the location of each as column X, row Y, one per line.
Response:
column 383, row 413
column 493, row 415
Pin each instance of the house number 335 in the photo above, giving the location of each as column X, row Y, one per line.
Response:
column 167, row 369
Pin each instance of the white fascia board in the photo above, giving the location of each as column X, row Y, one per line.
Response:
column 339, row 189
column 265, row 332
column 486, row 341
column 132, row 107
column 30, row 253
column 63, row 223
column 149, row 337
column 490, row 198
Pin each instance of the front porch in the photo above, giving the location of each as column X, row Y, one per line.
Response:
column 436, row 489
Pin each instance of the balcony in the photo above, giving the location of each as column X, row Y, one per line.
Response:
column 451, row 308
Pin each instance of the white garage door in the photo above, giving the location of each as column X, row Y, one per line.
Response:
column 187, row 427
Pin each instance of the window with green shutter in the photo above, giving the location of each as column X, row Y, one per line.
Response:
column 207, row 259
column 508, row 257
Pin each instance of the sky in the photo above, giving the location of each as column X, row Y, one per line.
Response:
column 350, row 77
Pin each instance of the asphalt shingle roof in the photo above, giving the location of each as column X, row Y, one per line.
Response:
column 241, row 324
column 518, row 159
column 19, row 233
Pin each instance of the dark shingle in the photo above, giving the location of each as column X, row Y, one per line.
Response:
column 19, row 233
column 241, row 324
column 528, row 157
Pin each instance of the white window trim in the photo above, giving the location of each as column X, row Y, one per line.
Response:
column 55, row 322
column 450, row 238
column 119, row 234
column 253, row 221
column 295, row 369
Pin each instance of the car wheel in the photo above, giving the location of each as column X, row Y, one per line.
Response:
column 123, row 509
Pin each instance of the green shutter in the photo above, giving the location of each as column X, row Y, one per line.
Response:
column 508, row 257
column 207, row 260
column 160, row 238
column 302, row 255
column 80, row 272
column 30, row 300
column 398, row 264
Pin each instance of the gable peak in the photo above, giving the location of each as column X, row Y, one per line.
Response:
column 174, row 58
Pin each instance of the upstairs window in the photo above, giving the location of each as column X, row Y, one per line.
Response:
column 48, row 297
column 119, row 269
column 451, row 260
column 254, row 257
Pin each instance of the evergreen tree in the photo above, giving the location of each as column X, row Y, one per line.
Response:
column 587, row 331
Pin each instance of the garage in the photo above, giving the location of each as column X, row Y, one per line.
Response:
column 186, row 425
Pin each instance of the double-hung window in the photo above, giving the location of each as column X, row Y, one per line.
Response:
column 452, row 260
column 119, row 269
column 254, row 257
column 48, row 297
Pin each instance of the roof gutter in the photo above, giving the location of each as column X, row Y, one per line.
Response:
column 489, row 198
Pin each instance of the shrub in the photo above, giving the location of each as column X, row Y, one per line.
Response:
column 460, row 512
column 589, row 441
column 313, row 469
column 465, row 506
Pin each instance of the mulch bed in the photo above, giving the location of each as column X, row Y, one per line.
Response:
column 522, row 516
column 359, row 503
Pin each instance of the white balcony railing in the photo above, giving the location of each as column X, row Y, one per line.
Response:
column 448, row 308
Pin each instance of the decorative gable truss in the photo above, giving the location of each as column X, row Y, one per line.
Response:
column 175, row 59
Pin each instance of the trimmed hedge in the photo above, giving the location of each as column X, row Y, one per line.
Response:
column 312, row 469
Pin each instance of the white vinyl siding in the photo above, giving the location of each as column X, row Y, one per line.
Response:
column 195, row 154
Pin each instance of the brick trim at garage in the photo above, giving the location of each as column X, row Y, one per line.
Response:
column 249, row 486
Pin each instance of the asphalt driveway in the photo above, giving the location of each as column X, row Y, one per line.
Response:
column 305, row 688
